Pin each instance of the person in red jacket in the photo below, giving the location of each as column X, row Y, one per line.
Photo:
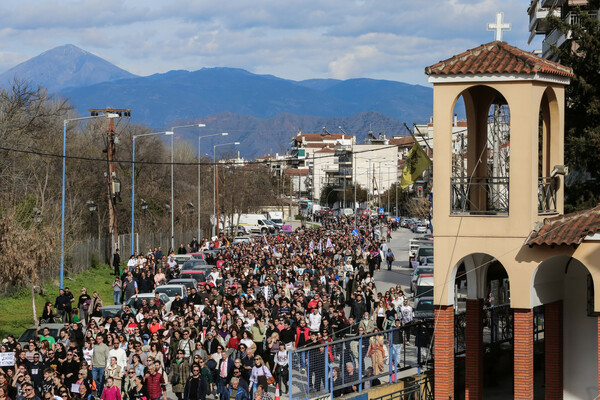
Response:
column 155, row 384
column 302, row 338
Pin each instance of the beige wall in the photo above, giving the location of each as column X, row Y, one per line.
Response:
column 502, row 237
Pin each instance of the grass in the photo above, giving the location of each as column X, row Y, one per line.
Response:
column 16, row 313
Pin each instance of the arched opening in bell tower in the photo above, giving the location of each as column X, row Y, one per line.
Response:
column 549, row 155
column 481, row 154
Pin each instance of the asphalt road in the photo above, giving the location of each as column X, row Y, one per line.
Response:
column 401, row 271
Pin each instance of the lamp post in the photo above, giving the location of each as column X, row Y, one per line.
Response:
column 62, row 206
column 133, row 181
column 172, row 186
column 199, row 210
column 215, row 182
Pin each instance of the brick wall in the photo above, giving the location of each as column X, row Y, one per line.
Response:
column 444, row 352
column 553, row 342
column 474, row 350
column 523, row 361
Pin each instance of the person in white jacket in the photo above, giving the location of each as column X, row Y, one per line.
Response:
column 119, row 354
column 314, row 320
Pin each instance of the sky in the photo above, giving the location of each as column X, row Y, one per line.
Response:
column 292, row 39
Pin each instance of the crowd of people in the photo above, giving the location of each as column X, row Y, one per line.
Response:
column 230, row 336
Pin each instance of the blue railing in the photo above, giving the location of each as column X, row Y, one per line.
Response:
column 356, row 363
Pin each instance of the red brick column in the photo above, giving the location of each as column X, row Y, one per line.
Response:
column 474, row 350
column 553, row 342
column 523, row 357
column 444, row 352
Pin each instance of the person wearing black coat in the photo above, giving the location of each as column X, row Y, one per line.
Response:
column 195, row 386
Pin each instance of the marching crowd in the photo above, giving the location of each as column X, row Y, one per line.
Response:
column 230, row 336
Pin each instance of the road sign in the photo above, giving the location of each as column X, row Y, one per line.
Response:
column 381, row 210
column 355, row 232
column 397, row 219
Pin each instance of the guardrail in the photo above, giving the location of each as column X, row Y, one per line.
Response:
column 355, row 363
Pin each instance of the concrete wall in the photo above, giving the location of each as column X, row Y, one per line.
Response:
column 580, row 338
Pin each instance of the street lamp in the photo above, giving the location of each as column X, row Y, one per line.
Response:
column 199, row 209
column 215, row 182
column 133, row 180
column 172, row 186
column 62, row 207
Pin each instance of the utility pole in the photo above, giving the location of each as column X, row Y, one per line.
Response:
column 217, row 200
column 291, row 192
column 114, row 184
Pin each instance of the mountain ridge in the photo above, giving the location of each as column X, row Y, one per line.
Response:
column 64, row 66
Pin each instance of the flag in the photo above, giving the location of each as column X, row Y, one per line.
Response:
column 311, row 246
column 416, row 162
column 320, row 246
column 329, row 244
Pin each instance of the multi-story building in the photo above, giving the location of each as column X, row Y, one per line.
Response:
column 565, row 9
column 337, row 160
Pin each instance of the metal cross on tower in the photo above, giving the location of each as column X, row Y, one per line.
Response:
column 498, row 26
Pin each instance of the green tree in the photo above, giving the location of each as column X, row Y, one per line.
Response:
column 581, row 52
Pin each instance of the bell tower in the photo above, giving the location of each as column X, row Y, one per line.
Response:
column 492, row 186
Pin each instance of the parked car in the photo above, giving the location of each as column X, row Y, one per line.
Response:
column 199, row 273
column 31, row 332
column 423, row 308
column 135, row 301
column 240, row 229
column 172, row 290
column 187, row 282
column 415, row 276
column 110, row 311
column 421, row 229
column 181, row 258
column 241, row 239
column 198, row 255
column 191, row 263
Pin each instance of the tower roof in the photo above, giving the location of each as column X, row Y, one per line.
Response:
column 566, row 229
column 497, row 58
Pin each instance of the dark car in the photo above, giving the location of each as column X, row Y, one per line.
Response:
column 190, row 264
column 424, row 308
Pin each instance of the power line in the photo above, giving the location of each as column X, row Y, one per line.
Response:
column 195, row 163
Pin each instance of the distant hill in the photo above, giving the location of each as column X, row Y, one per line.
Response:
column 264, row 111
column 65, row 66
column 259, row 137
column 158, row 99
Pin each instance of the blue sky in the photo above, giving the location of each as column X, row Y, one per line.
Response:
column 293, row 39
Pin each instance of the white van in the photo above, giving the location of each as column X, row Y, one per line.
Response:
column 256, row 223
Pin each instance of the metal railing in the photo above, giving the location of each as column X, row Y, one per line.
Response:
column 547, row 188
column 353, row 364
column 498, row 325
column 484, row 196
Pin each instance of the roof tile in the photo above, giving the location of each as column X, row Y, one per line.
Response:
column 566, row 229
column 497, row 58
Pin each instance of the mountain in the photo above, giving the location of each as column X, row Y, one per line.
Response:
column 261, row 136
column 65, row 66
column 263, row 111
column 158, row 99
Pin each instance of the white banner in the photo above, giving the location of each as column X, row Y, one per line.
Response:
column 7, row 359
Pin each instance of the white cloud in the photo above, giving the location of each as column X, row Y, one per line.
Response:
column 295, row 39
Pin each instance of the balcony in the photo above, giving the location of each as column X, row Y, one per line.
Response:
column 330, row 167
column 547, row 188
column 479, row 196
column 537, row 19
column 557, row 38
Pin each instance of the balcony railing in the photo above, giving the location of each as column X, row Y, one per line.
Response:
column 479, row 196
column 547, row 188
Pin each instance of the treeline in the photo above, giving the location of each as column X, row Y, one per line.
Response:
column 31, row 129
